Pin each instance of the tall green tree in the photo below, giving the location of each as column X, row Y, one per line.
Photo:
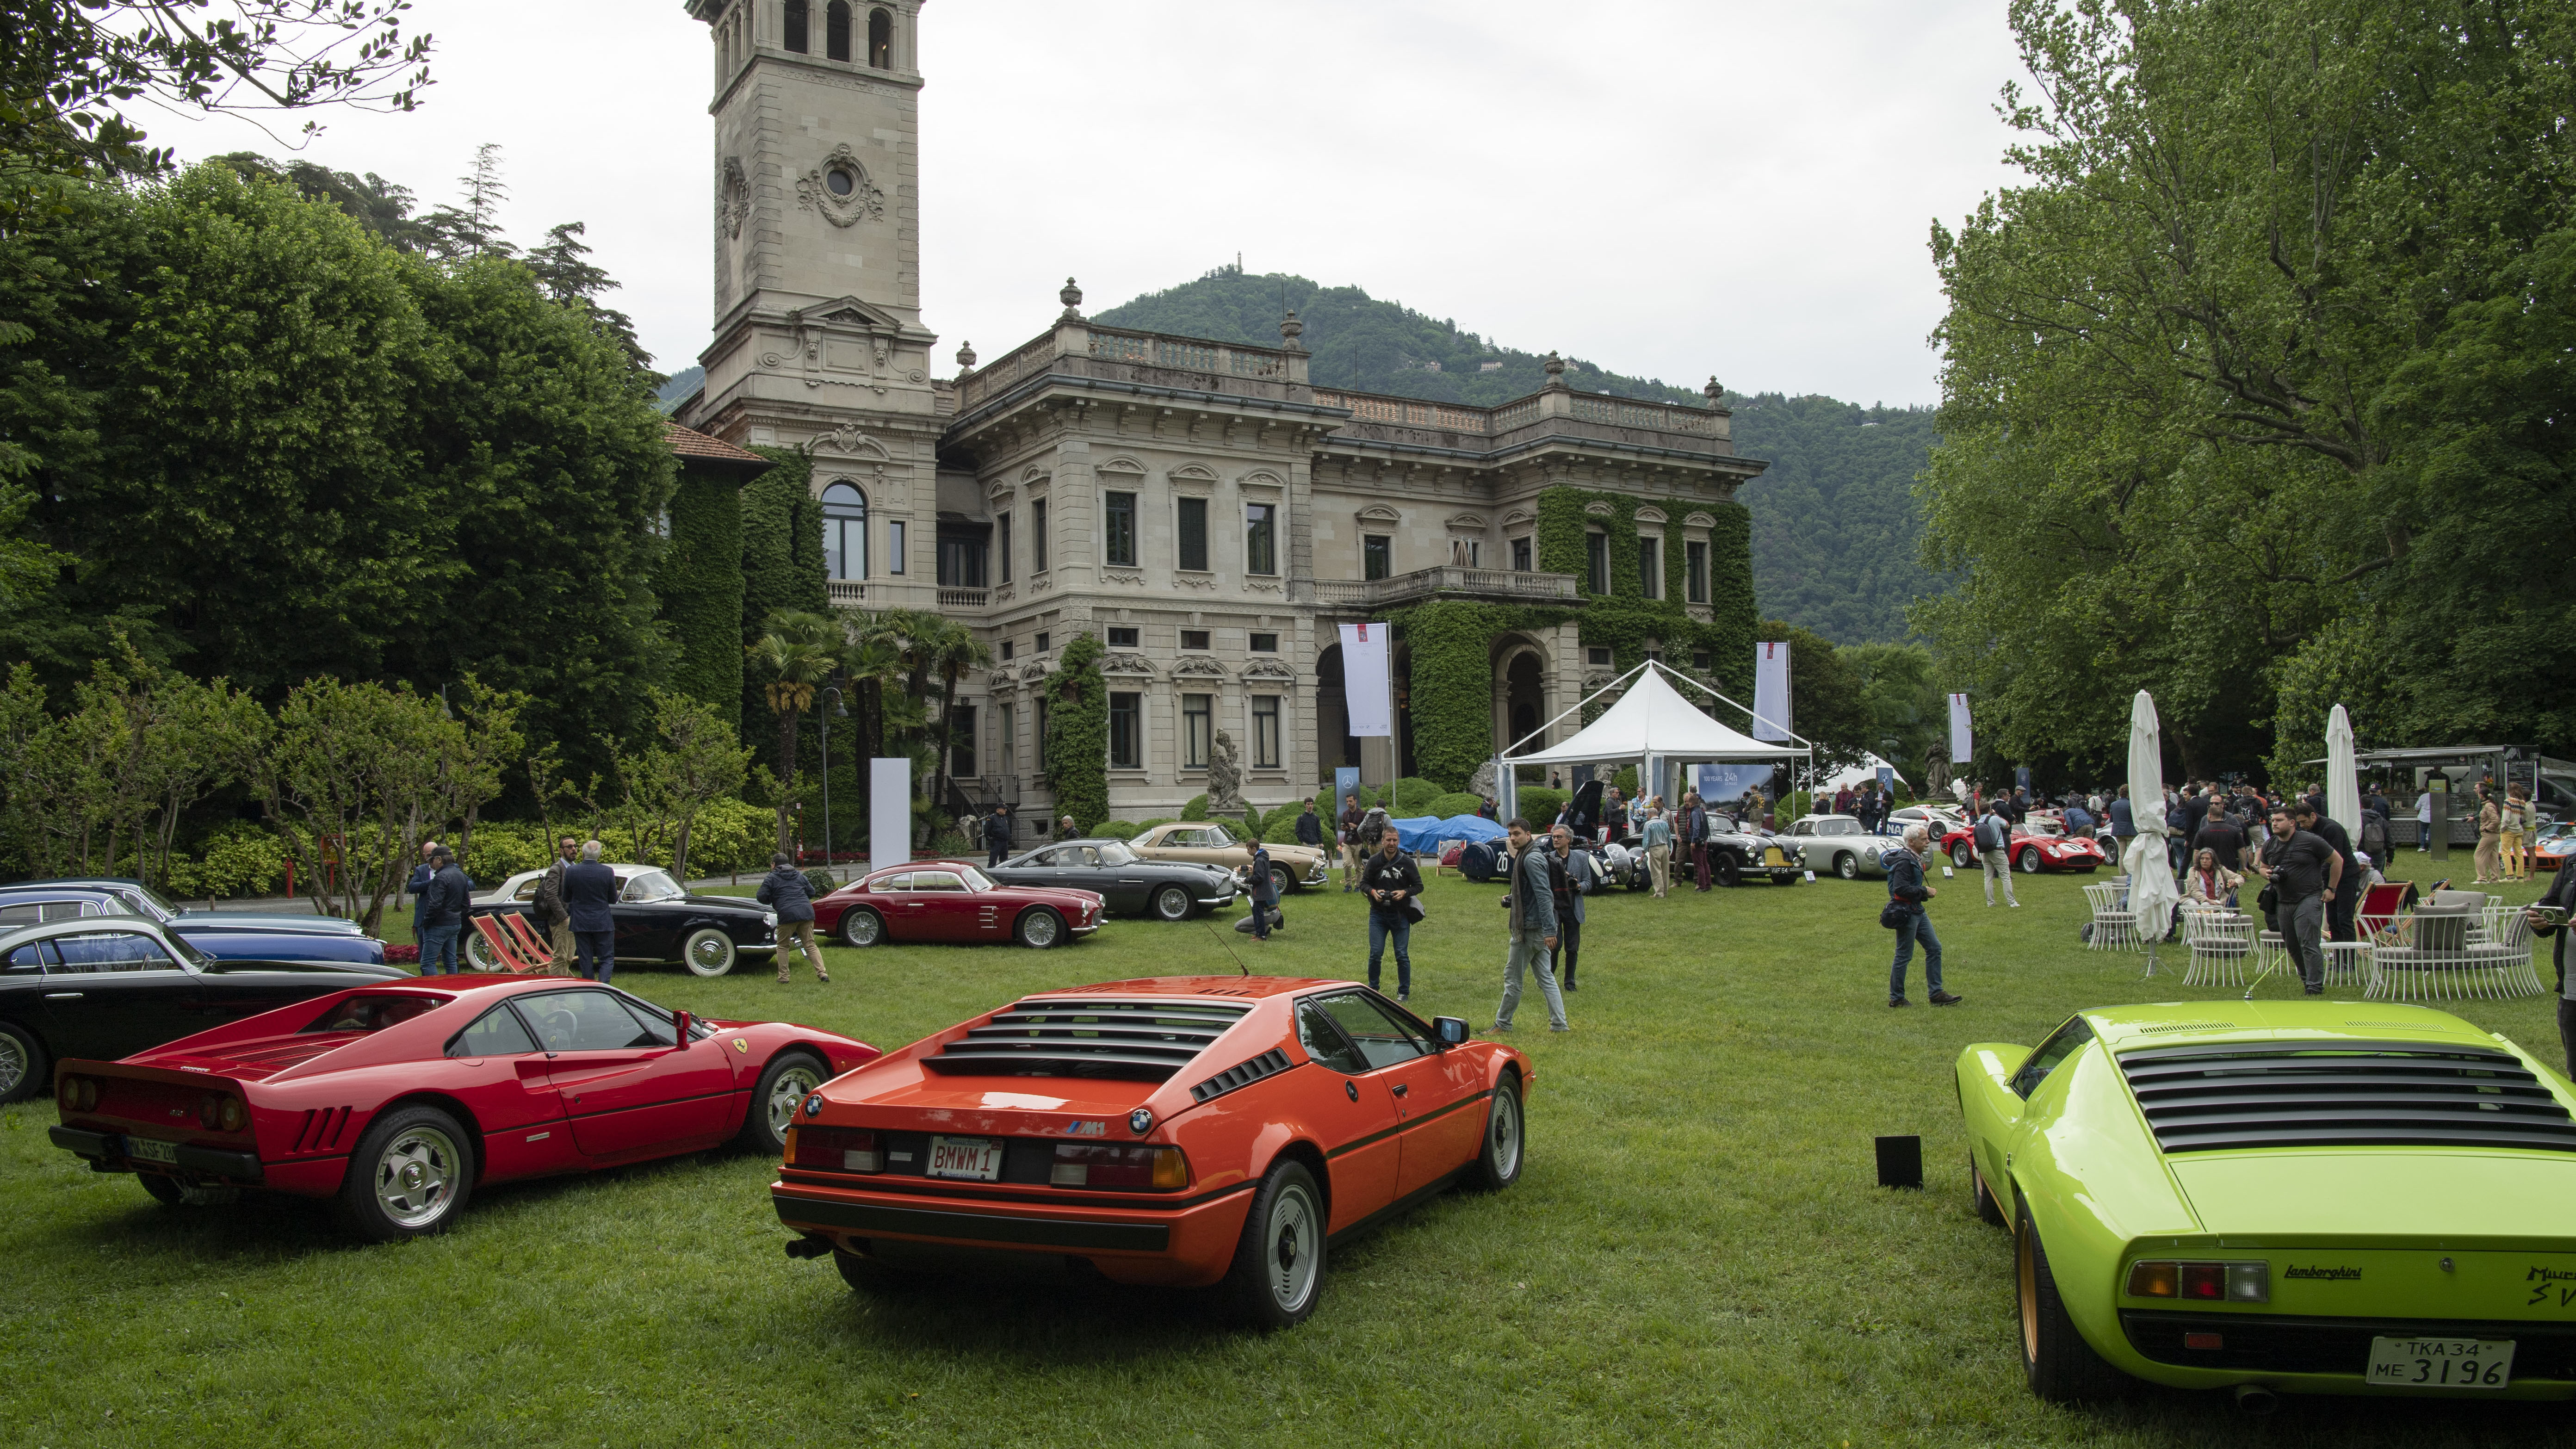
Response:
column 792, row 659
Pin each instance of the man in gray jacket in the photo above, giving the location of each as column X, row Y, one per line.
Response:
column 1533, row 903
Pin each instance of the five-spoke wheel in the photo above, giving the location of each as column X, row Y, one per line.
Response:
column 411, row 1173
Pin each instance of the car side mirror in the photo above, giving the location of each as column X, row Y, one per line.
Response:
column 680, row 1022
column 1450, row 1030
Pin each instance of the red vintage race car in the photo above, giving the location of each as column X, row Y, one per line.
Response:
column 1179, row 1130
column 2038, row 843
column 398, row 1100
column 950, row 900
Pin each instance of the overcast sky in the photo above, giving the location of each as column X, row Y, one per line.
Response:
column 1667, row 189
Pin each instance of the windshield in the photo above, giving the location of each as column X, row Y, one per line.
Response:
column 976, row 880
column 653, row 885
column 1112, row 853
column 2035, row 825
column 145, row 903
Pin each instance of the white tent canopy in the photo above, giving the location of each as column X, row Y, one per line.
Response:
column 1652, row 718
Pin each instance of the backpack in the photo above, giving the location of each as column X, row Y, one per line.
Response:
column 1990, row 833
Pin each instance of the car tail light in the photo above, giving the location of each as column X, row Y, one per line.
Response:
column 1159, row 1169
column 80, row 1094
column 2202, row 1282
column 221, row 1112
column 234, row 1116
column 834, row 1149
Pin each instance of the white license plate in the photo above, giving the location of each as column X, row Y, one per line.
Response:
column 977, row 1159
column 2441, row 1363
column 144, row 1149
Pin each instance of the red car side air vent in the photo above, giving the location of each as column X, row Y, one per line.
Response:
column 1269, row 1064
column 1088, row 1038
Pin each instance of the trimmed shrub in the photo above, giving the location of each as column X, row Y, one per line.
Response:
column 819, row 883
column 1141, row 826
column 1462, row 803
column 1281, row 827
column 238, row 858
column 1196, row 809
column 1540, row 805
column 1120, row 829
column 1413, row 795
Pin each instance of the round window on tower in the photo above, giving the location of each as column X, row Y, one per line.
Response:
column 841, row 181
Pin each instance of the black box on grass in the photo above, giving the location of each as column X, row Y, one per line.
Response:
column 1900, row 1162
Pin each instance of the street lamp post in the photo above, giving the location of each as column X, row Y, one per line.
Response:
column 823, row 722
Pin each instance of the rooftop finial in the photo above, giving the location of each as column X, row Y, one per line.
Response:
column 1290, row 329
column 1716, row 395
column 1072, row 298
column 965, row 358
column 1555, row 370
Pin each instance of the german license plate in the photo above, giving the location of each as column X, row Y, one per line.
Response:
column 144, row 1149
column 977, row 1159
column 2441, row 1363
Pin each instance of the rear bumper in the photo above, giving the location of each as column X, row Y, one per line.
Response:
column 2314, row 1355
column 106, row 1151
column 1184, row 1246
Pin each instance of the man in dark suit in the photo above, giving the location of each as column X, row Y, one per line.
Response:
column 590, row 898
column 997, row 836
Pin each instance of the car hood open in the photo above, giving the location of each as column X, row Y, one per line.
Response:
column 2379, row 1192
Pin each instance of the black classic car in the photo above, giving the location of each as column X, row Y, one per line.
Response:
column 107, row 987
column 229, row 935
column 1128, row 883
column 1736, row 851
column 657, row 920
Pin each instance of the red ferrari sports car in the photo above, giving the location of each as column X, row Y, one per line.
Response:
column 949, row 900
column 398, row 1100
column 2038, row 843
column 1179, row 1130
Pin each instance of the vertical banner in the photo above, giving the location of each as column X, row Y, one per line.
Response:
column 1963, row 742
column 889, row 812
column 1507, row 789
column 1887, row 782
column 1367, row 680
column 1346, row 783
column 2021, row 776
column 1771, row 692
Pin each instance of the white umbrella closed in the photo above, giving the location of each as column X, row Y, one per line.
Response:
column 2152, row 893
column 2343, row 787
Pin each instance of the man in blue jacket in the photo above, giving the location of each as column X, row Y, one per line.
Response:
column 1907, row 887
column 439, row 913
column 784, row 891
column 997, row 842
column 1533, row 911
column 590, row 898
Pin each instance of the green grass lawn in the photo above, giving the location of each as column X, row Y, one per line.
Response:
column 1696, row 1253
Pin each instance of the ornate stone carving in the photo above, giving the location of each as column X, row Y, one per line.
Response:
column 818, row 189
column 850, row 438
column 1200, row 666
column 1482, row 782
column 1071, row 296
column 1224, row 774
column 1125, row 664
column 1122, row 576
column 733, row 197
column 1290, row 329
column 1195, row 581
column 1268, row 669
column 1262, row 586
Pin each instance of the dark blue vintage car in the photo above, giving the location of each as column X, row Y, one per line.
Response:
column 223, row 935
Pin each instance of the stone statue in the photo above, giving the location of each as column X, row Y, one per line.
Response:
column 1224, row 775
column 1481, row 784
column 1936, row 769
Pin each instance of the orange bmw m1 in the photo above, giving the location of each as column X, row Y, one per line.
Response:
column 1189, row 1131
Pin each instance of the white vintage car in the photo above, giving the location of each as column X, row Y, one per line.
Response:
column 1840, row 845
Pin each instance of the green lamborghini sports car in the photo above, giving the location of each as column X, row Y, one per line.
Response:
column 2281, row 1197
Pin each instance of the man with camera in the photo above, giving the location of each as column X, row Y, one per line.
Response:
column 1393, row 884
column 1532, row 904
column 2304, row 873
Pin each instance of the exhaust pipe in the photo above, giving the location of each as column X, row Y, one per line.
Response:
column 2256, row 1399
column 808, row 1247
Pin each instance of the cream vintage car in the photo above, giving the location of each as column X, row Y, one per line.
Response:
column 1219, row 842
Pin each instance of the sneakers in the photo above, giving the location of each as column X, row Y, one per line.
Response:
column 1400, row 996
column 2316, row 991
column 1898, row 1001
column 1500, row 1026
column 1562, row 1026
column 1569, row 983
column 2016, row 905
column 1944, row 998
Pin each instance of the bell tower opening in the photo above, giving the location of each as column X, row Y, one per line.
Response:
column 880, row 40
column 799, row 13
column 836, row 30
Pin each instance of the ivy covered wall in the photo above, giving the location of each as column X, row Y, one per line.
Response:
column 700, row 588
column 782, row 559
column 1077, row 743
column 1450, row 641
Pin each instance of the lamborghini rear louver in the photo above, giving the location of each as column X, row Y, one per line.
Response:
column 1093, row 1038
column 1241, row 1074
column 2216, row 1097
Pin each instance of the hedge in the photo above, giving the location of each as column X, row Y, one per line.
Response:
column 1117, row 829
column 1540, row 805
column 1195, row 808
column 1461, row 803
column 1077, row 751
column 1413, row 795
column 700, row 588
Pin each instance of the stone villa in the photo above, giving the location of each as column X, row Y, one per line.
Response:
column 1204, row 508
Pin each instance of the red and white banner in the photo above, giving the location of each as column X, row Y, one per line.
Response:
column 1771, row 693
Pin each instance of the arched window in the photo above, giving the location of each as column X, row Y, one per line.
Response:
column 797, row 11
column 836, row 30
column 845, row 532
column 880, row 40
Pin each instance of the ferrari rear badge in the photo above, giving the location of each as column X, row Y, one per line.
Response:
column 1140, row 1121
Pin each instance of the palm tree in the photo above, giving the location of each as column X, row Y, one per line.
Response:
column 949, row 649
column 798, row 652
column 872, row 660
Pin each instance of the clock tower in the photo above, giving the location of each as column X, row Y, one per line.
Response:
column 818, row 335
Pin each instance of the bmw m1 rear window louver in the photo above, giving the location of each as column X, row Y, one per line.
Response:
column 1242, row 1074
column 2349, row 1094
column 1089, row 1038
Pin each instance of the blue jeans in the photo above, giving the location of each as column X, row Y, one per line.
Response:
column 438, row 950
column 1381, row 926
column 1919, row 924
column 598, row 953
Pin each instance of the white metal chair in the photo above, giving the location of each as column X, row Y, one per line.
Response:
column 2439, row 956
column 2221, row 946
column 2115, row 927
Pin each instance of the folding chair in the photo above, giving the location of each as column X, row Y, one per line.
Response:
column 2373, row 918
column 530, row 946
column 503, row 949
